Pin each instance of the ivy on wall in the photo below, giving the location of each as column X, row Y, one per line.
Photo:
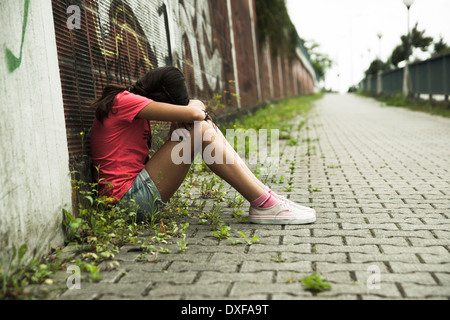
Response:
column 276, row 27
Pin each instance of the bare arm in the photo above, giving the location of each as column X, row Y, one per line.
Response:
column 159, row 111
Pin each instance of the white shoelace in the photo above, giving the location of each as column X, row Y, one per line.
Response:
column 290, row 204
column 286, row 202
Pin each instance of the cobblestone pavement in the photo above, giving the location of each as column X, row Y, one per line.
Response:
column 380, row 182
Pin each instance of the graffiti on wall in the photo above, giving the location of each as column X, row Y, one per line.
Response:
column 179, row 33
column 12, row 61
column 196, row 19
column 111, row 38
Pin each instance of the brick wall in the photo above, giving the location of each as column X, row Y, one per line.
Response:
column 213, row 42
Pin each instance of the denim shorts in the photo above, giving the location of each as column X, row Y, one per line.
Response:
column 146, row 197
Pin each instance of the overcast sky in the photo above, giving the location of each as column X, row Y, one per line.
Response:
column 347, row 30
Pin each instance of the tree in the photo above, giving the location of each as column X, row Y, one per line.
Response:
column 418, row 41
column 320, row 61
column 376, row 66
column 275, row 26
column 398, row 55
column 440, row 47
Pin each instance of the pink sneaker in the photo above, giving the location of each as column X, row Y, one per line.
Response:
column 282, row 214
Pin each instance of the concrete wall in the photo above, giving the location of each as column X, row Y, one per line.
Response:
column 34, row 167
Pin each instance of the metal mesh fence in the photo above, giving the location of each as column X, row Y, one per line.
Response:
column 430, row 77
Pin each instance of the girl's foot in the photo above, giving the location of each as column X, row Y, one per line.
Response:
column 282, row 213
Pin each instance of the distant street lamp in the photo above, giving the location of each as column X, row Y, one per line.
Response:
column 408, row 3
column 380, row 36
column 406, row 78
column 380, row 66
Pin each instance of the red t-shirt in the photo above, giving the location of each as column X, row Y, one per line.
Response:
column 121, row 145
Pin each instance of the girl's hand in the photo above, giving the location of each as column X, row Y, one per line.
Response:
column 200, row 105
column 197, row 104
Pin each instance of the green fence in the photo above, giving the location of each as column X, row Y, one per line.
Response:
column 431, row 77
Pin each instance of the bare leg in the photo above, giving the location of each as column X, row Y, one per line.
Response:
column 168, row 176
column 238, row 160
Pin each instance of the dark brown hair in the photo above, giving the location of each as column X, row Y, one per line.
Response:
column 165, row 84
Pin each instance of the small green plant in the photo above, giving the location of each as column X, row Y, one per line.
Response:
column 235, row 242
column 292, row 167
column 239, row 216
column 251, row 241
column 182, row 244
column 211, row 187
column 237, row 203
column 180, row 232
column 315, row 189
column 291, row 280
column 164, row 250
column 279, row 181
column 222, row 233
column 17, row 274
column 285, row 135
column 213, row 217
column 278, row 258
column 84, row 136
column 315, row 283
column 101, row 228
column 147, row 248
column 93, row 270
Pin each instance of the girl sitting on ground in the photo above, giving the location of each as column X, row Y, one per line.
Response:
column 121, row 140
